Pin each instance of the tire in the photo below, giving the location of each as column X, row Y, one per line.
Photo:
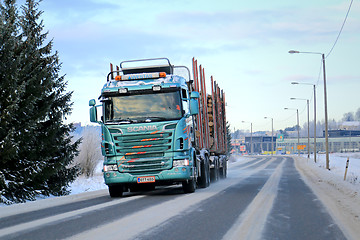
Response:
column 204, row 180
column 223, row 170
column 189, row 186
column 215, row 172
column 116, row 191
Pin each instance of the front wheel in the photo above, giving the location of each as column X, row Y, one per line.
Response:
column 116, row 190
column 189, row 186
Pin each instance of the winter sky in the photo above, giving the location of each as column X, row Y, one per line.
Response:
column 243, row 44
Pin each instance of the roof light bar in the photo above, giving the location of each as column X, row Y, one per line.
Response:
column 140, row 76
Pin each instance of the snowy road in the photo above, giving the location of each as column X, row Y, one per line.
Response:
column 262, row 198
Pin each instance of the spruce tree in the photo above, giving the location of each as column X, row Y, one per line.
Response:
column 228, row 139
column 41, row 152
column 11, row 91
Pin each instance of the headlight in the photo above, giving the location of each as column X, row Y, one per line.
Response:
column 184, row 162
column 108, row 168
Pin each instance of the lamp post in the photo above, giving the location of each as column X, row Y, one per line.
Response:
column 314, row 86
column 325, row 103
column 272, row 134
column 307, row 101
column 251, row 146
column 297, row 114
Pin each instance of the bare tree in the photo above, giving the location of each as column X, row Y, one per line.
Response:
column 90, row 152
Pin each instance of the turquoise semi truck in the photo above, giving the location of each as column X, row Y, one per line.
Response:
column 159, row 127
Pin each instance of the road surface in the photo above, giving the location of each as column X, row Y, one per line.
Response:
column 262, row 198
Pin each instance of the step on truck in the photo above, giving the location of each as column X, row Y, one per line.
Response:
column 160, row 127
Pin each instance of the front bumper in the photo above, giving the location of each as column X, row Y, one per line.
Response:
column 176, row 174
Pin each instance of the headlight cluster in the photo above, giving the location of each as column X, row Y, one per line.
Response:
column 178, row 163
column 112, row 167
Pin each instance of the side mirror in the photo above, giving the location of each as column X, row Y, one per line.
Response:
column 92, row 102
column 194, row 95
column 194, row 106
column 93, row 111
column 93, row 114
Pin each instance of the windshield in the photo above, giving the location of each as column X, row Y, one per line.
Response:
column 143, row 108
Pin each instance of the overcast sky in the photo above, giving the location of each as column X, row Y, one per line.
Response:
column 243, row 44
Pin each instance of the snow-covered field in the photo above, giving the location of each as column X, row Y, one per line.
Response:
column 337, row 168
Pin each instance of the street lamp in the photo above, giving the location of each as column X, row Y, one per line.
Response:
column 297, row 114
column 272, row 134
column 314, row 86
column 251, row 146
column 307, row 101
column 325, row 102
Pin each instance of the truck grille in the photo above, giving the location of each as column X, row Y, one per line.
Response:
column 143, row 151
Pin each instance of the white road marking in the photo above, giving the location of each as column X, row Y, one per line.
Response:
column 59, row 217
column 130, row 226
column 251, row 222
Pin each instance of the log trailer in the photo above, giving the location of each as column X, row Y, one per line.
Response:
column 160, row 128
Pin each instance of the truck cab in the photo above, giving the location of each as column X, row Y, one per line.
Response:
column 147, row 127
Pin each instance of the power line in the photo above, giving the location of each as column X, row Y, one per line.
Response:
column 337, row 38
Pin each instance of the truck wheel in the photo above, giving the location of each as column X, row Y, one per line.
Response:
column 223, row 170
column 218, row 171
column 189, row 186
column 214, row 172
column 204, row 180
column 116, row 190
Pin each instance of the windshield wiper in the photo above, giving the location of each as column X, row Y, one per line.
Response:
column 149, row 119
column 120, row 121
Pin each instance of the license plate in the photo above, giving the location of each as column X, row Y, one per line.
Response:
column 146, row 179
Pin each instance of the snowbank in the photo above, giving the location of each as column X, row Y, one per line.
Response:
column 83, row 184
column 339, row 196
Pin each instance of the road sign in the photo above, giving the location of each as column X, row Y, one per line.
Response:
column 301, row 147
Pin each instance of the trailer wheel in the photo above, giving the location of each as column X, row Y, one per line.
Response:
column 223, row 171
column 116, row 190
column 215, row 172
column 204, row 180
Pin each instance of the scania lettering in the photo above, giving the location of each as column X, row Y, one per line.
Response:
column 141, row 128
column 160, row 127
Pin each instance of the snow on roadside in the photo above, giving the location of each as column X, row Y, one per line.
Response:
column 83, row 184
column 340, row 197
column 337, row 164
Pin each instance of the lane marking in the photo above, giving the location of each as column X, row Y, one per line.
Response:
column 139, row 221
column 42, row 204
column 252, row 221
column 131, row 226
column 59, row 217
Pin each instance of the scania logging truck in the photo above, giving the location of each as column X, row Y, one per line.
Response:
column 160, row 128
